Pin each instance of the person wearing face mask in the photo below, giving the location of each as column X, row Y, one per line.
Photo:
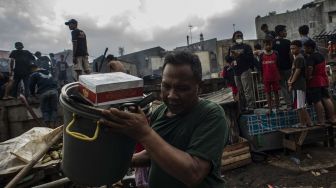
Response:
column 240, row 55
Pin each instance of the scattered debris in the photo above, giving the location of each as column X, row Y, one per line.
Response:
column 295, row 160
column 324, row 171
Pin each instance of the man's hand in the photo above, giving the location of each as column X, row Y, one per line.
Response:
column 133, row 124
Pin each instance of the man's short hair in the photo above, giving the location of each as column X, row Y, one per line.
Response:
column 263, row 26
column 185, row 58
column 257, row 46
column 37, row 53
column 304, row 29
column 18, row 45
column 110, row 57
column 235, row 33
column 310, row 44
column 268, row 41
column 297, row 43
column 279, row 28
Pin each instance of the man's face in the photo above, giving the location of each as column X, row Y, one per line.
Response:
column 179, row 89
column 283, row 33
column 308, row 50
column 294, row 49
column 268, row 46
column 72, row 26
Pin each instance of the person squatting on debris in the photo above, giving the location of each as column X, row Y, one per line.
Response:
column 47, row 91
column 22, row 60
column 282, row 46
column 187, row 135
column 270, row 74
column 241, row 56
column 80, row 52
column 62, row 67
column 297, row 83
column 318, row 84
column 42, row 61
column 114, row 65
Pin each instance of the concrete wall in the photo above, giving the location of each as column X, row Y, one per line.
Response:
column 157, row 63
column 204, row 57
column 329, row 15
column 293, row 20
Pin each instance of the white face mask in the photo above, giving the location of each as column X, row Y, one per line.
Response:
column 239, row 41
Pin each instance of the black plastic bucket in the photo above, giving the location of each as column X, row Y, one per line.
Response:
column 92, row 154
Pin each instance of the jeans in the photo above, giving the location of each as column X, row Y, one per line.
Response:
column 48, row 102
column 17, row 80
column 284, row 75
column 245, row 89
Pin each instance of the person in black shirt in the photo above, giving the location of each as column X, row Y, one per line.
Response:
column 282, row 46
column 268, row 34
column 80, row 52
column 22, row 60
column 241, row 57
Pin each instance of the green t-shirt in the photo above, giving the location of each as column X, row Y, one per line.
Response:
column 202, row 132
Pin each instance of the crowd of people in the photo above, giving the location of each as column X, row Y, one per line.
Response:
column 296, row 68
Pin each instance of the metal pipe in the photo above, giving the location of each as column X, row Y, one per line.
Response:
column 54, row 183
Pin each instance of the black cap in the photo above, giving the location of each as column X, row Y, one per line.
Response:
column 71, row 21
column 18, row 45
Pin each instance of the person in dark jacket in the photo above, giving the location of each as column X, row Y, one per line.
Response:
column 282, row 46
column 268, row 34
column 47, row 91
column 240, row 55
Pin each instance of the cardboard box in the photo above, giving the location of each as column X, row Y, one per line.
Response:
column 110, row 88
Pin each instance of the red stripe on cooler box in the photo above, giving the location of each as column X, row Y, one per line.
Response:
column 110, row 95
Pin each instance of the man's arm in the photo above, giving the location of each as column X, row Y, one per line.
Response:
column 11, row 66
column 140, row 159
column 188, row 169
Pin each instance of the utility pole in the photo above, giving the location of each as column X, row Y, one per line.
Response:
column 234, row 27
column 190, row 27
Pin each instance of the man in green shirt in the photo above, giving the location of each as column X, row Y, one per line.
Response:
column 187, row 135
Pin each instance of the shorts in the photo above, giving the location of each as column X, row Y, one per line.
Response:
column 271, row 86
column 82, row 64
column 316, row 94
column 299, row 99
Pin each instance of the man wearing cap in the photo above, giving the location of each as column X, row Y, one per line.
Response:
column 80, row 53
column 21, row 60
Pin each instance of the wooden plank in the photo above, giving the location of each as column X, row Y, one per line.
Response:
column 302, row 137
column 235, row 159
column 289, row 144
column 236, row 164
column 235, row 153
column 296, row 130
column 241, row 144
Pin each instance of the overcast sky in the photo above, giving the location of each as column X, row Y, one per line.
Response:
column 132, row 24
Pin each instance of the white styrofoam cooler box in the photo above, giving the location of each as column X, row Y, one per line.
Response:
column 110, row 88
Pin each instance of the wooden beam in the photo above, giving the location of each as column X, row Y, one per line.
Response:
column 236, row 159
column 302, row 137
column 237, row 152
column 289, row 144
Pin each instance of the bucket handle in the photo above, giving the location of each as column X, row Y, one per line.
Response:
column 81, row 136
